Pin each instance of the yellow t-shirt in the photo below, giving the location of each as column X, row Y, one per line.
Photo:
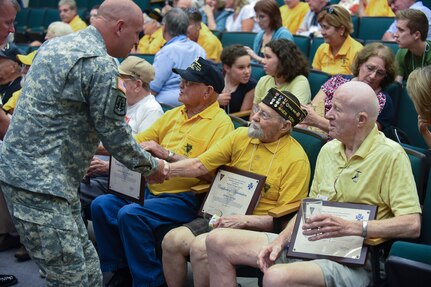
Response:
column 151, row 44
column 379, row 173
column 11, row 103
column 210, row 43
column 77, row 24
column 379, row 8
column 299, row 86
column 284, row 162
column 340, row 64
column 188, row 137
column 292, row 18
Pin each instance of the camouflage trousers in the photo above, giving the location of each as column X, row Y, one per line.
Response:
column 55, row 236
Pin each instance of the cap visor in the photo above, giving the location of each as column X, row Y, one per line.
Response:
column 187, row 75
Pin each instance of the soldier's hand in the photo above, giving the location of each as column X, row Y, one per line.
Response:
column 160, row 174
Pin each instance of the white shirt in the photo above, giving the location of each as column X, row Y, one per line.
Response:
column 246, row 12
column 143, row 114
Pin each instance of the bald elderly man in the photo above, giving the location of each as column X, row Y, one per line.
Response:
column 359, row 156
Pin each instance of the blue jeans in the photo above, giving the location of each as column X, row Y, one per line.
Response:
column 125, row 231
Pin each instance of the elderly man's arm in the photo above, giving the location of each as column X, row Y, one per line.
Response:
column 191, row 167
column 328, row 226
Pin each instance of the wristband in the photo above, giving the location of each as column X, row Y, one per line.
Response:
column 170, row 156
column 364, row 228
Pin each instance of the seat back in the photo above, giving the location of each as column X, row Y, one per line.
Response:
column 35, row 19
column 401, row 272
column 217, row 33
column 147, row 57
column 420, row 169
column 316, row 79
column 315, row 43
column 238, row 122
column 242, row 38
column 395, row 91
column 392, row 45
column 373, row 28
column 355, row 22
column 51, row 15
column 166, row 107
column 311, row 142
column 257, row 71
column 303, row 43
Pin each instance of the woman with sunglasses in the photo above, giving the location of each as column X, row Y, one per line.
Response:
column 286, row 69
column 268, row 17
column 336, row 55
column 374, row 65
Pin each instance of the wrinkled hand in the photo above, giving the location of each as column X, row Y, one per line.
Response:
column 269, row 254
column 312, row 117
column 97, row 166
column 224, row 99
column 155, row 149
column 325, row 226
column 160, row 174
column 233, row 221
column 423, row 125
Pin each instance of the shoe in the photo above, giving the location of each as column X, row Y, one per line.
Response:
column 21, row 254
column 7, row 280
column 8, row 241
column 121, row 278
column 42, row 273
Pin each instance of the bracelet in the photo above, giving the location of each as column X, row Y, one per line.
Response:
column 364, row 228
column 170, row 156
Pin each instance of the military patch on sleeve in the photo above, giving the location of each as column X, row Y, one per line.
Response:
column 121, row 85
column 120, row 106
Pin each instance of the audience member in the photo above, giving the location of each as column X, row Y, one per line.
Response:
column 310, row 26
column 214, row 14
column 375, row 8
column 293, row 14
column 69, row 15
column 40, row 172
column 178, row 52
column 185, row 131
column 286, row 69
column 265, row 148
column 242, row 18
column 199, row 33
column 153, row 39
column 361, row 157
column 142, row 111
column 238, row 92
column 336, row 55
column 269, row 19
column 10, row 71
column 55, row 29
column 415, row 49
column 93, row 13
column 399, row 5
column 374, row 65
column 419, row 89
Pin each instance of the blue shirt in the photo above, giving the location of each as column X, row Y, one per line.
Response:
column 220, row 17
column 280, row 33
column 178, row 53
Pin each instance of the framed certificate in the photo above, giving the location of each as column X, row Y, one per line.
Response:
column 125, row 183
column 233, row 192
column 346, row 249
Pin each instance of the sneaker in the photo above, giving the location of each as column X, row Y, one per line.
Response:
column 42, row 273
column 7, row 280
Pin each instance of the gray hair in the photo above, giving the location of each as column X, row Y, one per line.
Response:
column 71, row 3
column 59, row 28
column 176, row 22
column 14, row 3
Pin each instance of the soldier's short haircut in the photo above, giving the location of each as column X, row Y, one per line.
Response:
column 71, row 3
column 176, row 22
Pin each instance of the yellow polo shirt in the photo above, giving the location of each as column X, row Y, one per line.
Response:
column 210, row 43
column 292, row 18
column 378, row 8
column 284, row 162
column 151, row 44
column 299, row 86
column 77, row 24
column 188, row 137
column 340, row 64
column 379, row 173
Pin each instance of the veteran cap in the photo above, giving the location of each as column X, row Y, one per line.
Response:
column 137, row 68
column 286, row 105
column 203, row 71
column 10, row 51
column 26, row 59
column 154, row 14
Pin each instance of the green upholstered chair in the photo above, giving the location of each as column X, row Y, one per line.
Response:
column 373, row 28
column 242, row 38
column 316, row 79
column 303, row 43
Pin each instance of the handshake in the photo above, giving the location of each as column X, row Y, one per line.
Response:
column 160, row 174
column 163, row 156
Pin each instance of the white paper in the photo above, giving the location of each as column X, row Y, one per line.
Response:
column 124, row 180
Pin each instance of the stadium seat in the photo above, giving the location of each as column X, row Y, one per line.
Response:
column 303, row 43
column 217, row 33
column 355, row 22
column 21, row 24
column 373, row 28
column 242, row 38
column 316, row 79
column 147, row 57
column 395, row 90
column 257, row 71
column 392, row 45
column 51, row 15
column 315, row 43
column 35, row 30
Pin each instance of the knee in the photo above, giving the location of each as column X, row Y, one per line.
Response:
column 275, row 276
column 98, row 205
column 216, row 240
column 177, row 241
column 125, row 214
column 198, row 251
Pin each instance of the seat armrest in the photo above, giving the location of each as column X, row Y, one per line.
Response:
column 283, row 210
column 241, row 114
column 201, row 188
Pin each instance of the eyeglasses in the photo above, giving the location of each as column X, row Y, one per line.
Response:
column 261, row 114
column 189, row 83
column 331, row 10
column 259, row 17
column 372, row 69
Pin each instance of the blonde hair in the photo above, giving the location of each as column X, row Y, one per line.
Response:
column 419, row 90
column 337, row 16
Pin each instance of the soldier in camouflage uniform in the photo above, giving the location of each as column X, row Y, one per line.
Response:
column 73, row 99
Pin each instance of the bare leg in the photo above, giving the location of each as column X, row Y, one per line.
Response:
column 227, row 248
column 199, row 260
column 294, row 274
column 176, row 247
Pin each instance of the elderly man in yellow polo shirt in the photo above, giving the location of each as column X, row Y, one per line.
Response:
column 153, row 39
column 265, row 148
column 361, row 166
column 293, row 14
column 69, row 15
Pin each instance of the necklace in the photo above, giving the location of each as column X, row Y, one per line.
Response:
column 427, row 47
column 272, row 159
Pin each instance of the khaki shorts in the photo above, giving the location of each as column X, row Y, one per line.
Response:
column 335, row 274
